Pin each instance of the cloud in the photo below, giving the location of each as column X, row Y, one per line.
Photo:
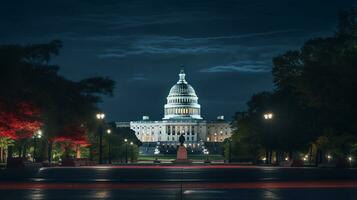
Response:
column 177, row 45
column 138, row 77
column 247, row 66
column 162, row 45
column 160, row 50
column 247, row 35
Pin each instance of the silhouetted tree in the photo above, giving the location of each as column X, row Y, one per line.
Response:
column 28, row 79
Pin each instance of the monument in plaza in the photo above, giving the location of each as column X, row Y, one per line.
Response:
column 181, row 156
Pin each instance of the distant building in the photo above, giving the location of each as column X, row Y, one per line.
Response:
column 182, row 117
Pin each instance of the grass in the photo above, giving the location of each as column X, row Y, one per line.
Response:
column 172, row 157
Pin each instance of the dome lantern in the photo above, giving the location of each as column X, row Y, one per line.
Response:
column 182, row 76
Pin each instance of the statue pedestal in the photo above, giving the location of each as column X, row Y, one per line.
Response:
column 182, row 155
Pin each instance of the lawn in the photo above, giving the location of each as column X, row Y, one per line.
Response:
column 172, row 157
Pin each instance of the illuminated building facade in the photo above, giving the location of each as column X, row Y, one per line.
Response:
column 182, row 115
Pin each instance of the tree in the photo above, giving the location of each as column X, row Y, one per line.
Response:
column 245, row 141
column 18, row 120
column 322, row 78
column 35, row 96
column 4, row 143
column 117, row 144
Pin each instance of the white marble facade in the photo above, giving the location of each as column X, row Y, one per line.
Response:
column 182, row 116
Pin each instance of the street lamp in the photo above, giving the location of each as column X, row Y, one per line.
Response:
column 36, row 135
column 230, row 150
column 329, row 157
column 126, row 150
column 268, row 117
column 109, row 147
column 131, row 151
column 100, row 117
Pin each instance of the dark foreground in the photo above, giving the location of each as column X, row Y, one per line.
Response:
column 192, row 182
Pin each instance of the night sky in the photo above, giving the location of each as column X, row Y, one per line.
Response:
column 225, row 46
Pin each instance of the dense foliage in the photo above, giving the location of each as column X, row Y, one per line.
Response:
column 313, row 104
column 33, row 96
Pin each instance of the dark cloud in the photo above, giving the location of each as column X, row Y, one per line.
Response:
column 240, row 66
column 226, row 46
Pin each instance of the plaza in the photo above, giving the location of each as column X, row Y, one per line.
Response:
column 180, row 182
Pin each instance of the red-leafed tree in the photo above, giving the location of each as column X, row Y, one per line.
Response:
column 71, row 138
column 74, row 134
column 19, row 120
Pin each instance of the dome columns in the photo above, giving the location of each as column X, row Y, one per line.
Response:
column 182, row 101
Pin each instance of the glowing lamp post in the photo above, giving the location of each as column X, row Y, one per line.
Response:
column 230, row 150
column 329, row 157
column 126, row 150
column 36, row 135
column 131, row 151
column 100, row 117
column 109, row 147
column 268, row 117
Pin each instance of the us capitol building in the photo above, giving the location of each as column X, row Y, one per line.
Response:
column 182, row 117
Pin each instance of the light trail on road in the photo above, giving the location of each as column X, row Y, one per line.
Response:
column 191, row 186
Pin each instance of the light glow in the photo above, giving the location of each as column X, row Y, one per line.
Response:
column 268, row 116
column 100, row 116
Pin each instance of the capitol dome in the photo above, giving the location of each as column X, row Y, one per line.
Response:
column 182, row 101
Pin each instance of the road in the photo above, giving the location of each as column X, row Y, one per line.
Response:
column 179, row 182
